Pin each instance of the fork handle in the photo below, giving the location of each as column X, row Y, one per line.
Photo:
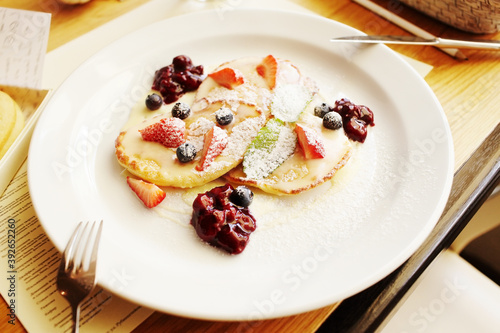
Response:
column 76, row 319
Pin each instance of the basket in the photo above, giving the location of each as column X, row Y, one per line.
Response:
column 476, row 16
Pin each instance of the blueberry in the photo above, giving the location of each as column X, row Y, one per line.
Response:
column 332, row 120
column 154, row 102
column 186, row 152
column 224, row 116
column 181, row 110
column 241, row 196
column 322, row 109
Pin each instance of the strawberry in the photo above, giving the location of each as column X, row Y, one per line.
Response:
column 150, row 194
column 170, row 132
column 228, row 77
column 215, row 142
column 268, row 69
column 310, row 142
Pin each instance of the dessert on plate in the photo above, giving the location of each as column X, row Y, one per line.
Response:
column 257, row 122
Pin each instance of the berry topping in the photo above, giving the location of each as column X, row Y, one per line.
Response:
column 215, row 142
column 181, row 63
column 170, row 132
column 332, row 120
column 219, row 222
column 310, row 141
column 242, row 196
column 289, row 100
column 154, row 102
column 268, row 69
column 322, row 109
column 150, row 194
column 174, row 80
column 344, row 107
column 186, row 152
column 224, row 116
column 181, row 110
column 273, row 144
column 355, row 119
column 228, row 77
column 356, row 129
column 365, row 114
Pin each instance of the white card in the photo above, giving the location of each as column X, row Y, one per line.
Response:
column 23, row 44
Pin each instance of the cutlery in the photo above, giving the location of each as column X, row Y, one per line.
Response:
column 77, row 271
column 413, row 40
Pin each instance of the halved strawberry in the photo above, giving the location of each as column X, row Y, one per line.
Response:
column 228, row 77
column 310, row 141
column 170, row 132
column 215, row 142
column 150, row 194
column 268, row 69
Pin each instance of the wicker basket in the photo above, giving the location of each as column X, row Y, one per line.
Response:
column 476, row 16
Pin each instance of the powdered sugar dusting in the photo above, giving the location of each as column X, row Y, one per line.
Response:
column 324, row 216
column 196, row 132
column 260, row 161
column 289, row 101
column 243, row 94
column 241, row 136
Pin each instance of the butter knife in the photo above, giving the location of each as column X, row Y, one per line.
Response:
column 412, row 40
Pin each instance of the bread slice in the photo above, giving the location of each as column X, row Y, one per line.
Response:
column 11, row 122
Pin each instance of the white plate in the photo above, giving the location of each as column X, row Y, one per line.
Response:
column 308, row 251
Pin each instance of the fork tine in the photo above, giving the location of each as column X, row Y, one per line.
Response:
column 69, row 251
column 95, row 247
column 77, row 273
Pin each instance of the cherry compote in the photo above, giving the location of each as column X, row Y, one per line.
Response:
column 176, row 79
column 355, row 118
column 220, row 222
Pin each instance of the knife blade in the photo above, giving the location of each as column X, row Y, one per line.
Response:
column 413, row 40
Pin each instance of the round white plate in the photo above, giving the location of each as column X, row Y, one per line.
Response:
column 309, row 250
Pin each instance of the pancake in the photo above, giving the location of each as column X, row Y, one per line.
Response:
column 157, row 164
column 298, row 174
column 250, row 103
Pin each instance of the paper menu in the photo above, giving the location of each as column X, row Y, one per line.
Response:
column 23, row 44
column 29, row 262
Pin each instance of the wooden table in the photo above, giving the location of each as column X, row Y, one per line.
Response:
column 474, row 83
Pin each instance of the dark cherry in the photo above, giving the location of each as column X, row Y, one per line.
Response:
column 181, row 63
column 356, row 129
column 365, row 114
column 176, row 79
column 219, row 222
column 355, row 118
column 345, row 108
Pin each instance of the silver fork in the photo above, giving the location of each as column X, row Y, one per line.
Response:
column 77, row 271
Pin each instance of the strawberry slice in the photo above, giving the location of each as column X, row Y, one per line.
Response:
column 215, row 142
column 310, row 141
column 228, row 77
column 170, row 132
column 268, row 69
column 150, row 194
